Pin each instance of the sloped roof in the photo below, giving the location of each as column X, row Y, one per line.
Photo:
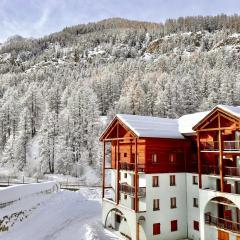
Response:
column 232, row 110
column 188, row 121
column 155, row 127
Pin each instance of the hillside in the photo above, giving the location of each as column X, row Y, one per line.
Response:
column 55, row 90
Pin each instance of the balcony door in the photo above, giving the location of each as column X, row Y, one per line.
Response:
column 223, row 235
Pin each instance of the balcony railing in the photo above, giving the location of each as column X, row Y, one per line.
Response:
column 131, row 166
column 232, row 171
column 231, row 145
column 215, row 170
column 222, row 223
column 209, row 146
column 214, row 145
column 210, row 169
column 127, row 189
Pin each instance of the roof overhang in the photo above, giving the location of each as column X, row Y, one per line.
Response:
column 212, row 112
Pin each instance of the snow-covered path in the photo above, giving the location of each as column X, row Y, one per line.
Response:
column 63, row 216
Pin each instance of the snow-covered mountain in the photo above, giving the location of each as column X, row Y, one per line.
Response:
column 54, row 90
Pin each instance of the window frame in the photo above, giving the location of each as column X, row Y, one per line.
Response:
column 172, row 180
column 195, row 180
column 158, row 204
column 172, row 158
column 155, row 158
column 173, row 200
column 174, row 225
column 157, row 181
column 156, row 228
column 195, row 202
column 196, row 225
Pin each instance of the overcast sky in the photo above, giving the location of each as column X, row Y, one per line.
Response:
column 34, row 18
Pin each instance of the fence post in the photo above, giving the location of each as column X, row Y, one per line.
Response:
column 23, row 179
column 8, row 180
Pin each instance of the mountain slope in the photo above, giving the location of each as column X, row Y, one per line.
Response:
column 57, row 88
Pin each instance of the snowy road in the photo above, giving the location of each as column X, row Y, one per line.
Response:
column 63, row 216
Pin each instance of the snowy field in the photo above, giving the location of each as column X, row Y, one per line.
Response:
column 63, row 215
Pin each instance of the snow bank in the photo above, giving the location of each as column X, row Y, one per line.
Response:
column 14, row 193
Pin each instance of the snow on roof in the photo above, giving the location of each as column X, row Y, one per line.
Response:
column 234, row 110
column 186, row 122
column 155, row 127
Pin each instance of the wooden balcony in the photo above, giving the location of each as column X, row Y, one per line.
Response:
column 210, row 170
column 228, row 146
column 129, row 190
column 131, row 166
column 231, row 145
column 209, row 146
column 222, row 223
column 232, row 171
column 214, row 170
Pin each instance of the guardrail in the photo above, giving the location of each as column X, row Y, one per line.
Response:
column 68, row 185
column 222, row 223
column 130, row 190
column 14, row 193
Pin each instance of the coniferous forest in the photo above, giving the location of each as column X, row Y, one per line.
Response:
column 56, row 91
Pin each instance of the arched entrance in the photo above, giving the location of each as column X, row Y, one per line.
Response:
column 221, row 219
column 116, row 221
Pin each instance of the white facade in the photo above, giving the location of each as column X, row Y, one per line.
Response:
column 185, row 213
column 185, row 190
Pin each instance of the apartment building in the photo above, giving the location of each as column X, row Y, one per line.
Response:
column 173, row 178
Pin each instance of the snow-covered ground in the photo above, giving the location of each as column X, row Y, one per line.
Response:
column 63, row 215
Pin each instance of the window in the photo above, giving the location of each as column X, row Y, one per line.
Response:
column 196, row 225
column 125, row 175
column 156, row 228
column 174, row 226
column 172, row 158
column 173, row 202
column 125, row 196
column 172, row 180
column 195, row 180
column 195, row 202
column 155, row 182
column 154, row 158
column 156, row 204
column 125, row 155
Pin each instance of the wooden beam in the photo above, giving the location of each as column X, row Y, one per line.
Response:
column 117, row 167
column 131, row 160
column 216, row 129
column 136, row 178
column 220, row 142
column 216, row 109
column 103, row 168
column 208, row 122
column 199, row 160
column 116, row 139
column 111, row 129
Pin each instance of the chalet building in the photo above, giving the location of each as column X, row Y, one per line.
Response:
column 173, row 178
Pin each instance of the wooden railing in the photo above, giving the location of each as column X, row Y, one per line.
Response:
column 232, row 171
column 231, row 145
column 209, row 146
column 131, row 166
column 210, row 169
column 222, row 223
column 127, row 189
column 214, row 145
